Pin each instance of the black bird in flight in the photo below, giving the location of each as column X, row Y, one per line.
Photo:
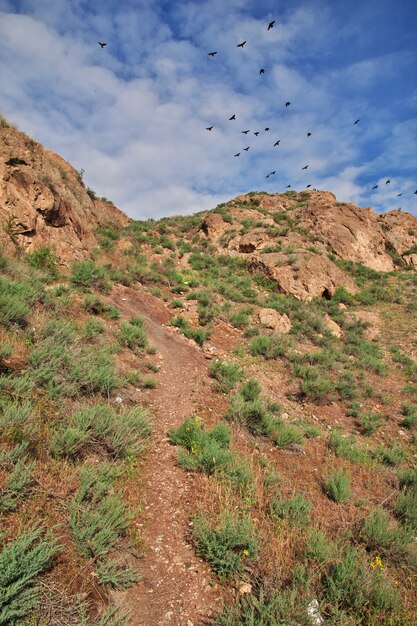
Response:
column 357, row 122
column 288, row 186
column 240, row 45
column 266, row 129
column 308, row 186
column 400, row 194
column 376, row 187
column 415, row 193
column 308, row 134
column 256, row 134
column 277, row 143
column 245, row 132
column 212, row 54
column 238, row 154
column 102, row 44
column 262, row 71
column 232, row 118
column 270, row 174
column 271, row 25
column 305, row 167
column 287, row 104
column 387, row 182
column 210, row 128
column 246, row 149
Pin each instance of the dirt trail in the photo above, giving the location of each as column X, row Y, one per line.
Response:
column 174, row 589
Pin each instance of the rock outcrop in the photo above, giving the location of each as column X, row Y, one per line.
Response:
column 310, row 275
column 400, row 232
column 349, row 232
column 273, row 320
column 44, row 202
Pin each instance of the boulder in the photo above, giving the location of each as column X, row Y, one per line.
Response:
column 213, row 226
column 272, row 319
column 334, row 328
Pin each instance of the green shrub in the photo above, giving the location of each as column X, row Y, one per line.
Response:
column 199, row 335
column 253, row 414
column 389, row 455
column 273, row 609
column 132, row 336
column 318, row 546
column 296, row 510
column 16, row 486
column 226, row 543
column 225, row 374
column 96, row 306
column 86, row 274
column 287, row 434
column 346, row 447
column 93, row 328
column 378, row 534
column 21, row 562
column 405, row 508
column 121, row 435
column 16, row 298
column 44, row 259
column 116, row 574
column 336, row 486
column 369, row 422
column 251, row 390
column 268, row 346
column 350, row 584
column 98, row 519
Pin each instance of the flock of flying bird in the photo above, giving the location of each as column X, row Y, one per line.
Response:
column 212, row 54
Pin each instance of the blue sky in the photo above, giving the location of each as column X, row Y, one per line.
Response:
column 134, row 114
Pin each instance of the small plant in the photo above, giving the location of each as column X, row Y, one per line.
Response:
column 296, row 509
column 336, row 486
column 133, row 335
column 318, row 546
column 287, row 434
column 199, row 335
column 389, row 455
column 225, row 543
column 86, row 274
column 44, row 259
column 405, row 508
column 21, row 562
column 225, row 374
column 116, row 574
column 268, row 346
column 346, row 447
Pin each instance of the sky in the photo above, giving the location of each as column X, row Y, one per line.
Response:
column 133, row 115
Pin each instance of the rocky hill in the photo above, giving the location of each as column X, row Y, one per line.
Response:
column 204, row 420
column 44, row 202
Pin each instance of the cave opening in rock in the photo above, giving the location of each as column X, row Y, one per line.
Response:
column 326, row 295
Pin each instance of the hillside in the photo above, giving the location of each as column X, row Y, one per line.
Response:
column 207, row 419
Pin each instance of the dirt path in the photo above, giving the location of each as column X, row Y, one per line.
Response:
column 176, row 588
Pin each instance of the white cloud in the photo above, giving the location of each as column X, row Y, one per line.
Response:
column 134, row 114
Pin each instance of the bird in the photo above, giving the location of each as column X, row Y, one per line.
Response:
column 210, row 128
column 266, row 129
column 232, row 118
column 271, row 25
column 246, row 149
column 256, row 134
column 357, row 122
column 308, row 186
column 287, row 104
column 305, row 167
column 415, row 193
column 212, row 54
column 262, row 71
column 375, row 187
column 245, row 132
column 102, row 44
column 277, row 143
column 288, row 186
column 240, row 45
column 267, row 176
column 387, row 182
column 308, row 134
column 400, row 194
column 272, row 173
column 238, row 154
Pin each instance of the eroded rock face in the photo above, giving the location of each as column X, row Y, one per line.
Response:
column 400, row 231
column 349, row 232
column 333, row 327
column 43, row 201
column 250, row 242
column 309, row 276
